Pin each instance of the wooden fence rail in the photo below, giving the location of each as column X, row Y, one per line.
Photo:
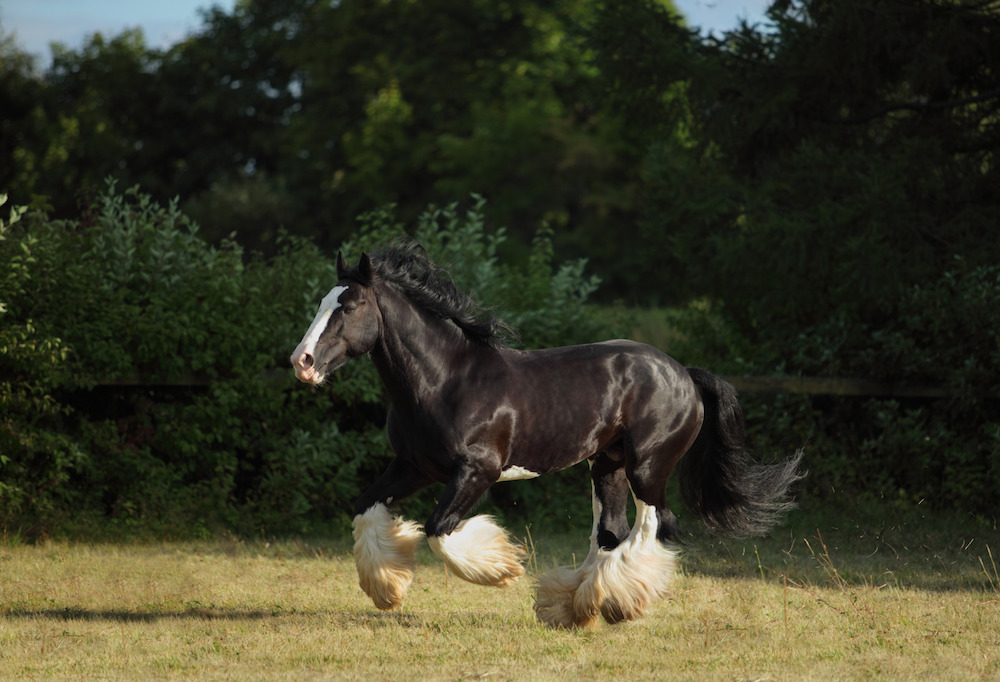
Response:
column 836, row 386
column 744, row 384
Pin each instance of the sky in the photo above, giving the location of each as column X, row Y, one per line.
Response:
column 37, row 23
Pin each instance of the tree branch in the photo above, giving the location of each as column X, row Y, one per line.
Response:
column 916, row 106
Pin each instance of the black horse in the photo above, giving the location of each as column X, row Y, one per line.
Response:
column 469, row 411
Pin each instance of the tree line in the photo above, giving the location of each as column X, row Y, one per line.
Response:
column 816, row 195
column 867, row 130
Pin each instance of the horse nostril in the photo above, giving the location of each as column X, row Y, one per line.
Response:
column 302, row 360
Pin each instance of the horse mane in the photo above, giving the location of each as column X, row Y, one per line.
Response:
column 405, row 265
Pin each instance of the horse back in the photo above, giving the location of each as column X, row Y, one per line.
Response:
column 543, row 410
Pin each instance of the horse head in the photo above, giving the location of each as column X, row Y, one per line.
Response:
column 347, row 324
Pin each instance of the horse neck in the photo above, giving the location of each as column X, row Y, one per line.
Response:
column 417, row 350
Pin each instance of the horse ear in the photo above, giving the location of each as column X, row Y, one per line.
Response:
column 365, row 268
column 341, row 265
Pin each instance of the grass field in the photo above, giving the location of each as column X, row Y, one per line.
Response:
column 820, row 599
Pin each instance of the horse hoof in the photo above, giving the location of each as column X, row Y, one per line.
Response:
column 480, row 552
column 615, row 612
column 385, row 553
column 554, row 600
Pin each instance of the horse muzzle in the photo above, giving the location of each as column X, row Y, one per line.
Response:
column 305, row 368
column 313, row 369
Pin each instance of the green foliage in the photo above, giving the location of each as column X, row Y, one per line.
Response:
column 907, row 452
column 308, row 114
column 545, row 303
column 35, row 454
column 136, row 294
column 837, row 229
column 144, row 380
column 944, row 332
column 480, row 96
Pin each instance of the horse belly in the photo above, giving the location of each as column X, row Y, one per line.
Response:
column 579, row 401
column 555, row 440
column 567, row 424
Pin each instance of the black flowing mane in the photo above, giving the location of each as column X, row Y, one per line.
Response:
column 405, row 265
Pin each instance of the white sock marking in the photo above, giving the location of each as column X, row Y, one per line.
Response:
column 479, row 551
column 385, row 552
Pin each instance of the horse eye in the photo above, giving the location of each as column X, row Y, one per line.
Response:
column 348, row 309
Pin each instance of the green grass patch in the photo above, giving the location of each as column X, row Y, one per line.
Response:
column 821, row 598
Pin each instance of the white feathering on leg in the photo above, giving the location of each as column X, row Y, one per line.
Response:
column 554, row 592
column 618, row 584
column 625, row 580
column 480, row 551
column 385, row 553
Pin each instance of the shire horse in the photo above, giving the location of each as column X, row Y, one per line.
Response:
column 468, row 411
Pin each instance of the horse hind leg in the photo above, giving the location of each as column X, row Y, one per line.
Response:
column 626, row 580
column 556, row 592
column 611, row 492
column 617, row 584
column 626, row 570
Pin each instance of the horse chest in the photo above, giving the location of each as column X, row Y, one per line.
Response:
column 421, row 436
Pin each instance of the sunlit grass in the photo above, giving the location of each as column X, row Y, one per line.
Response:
column 818, row 600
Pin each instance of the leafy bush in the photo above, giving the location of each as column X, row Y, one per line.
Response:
column 938, row 452
column 547, row 304
column 943, row 332
column 144, row 379
column 35, row 452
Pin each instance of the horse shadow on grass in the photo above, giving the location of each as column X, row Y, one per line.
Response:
column 120, row 616
column 374, row 620
column 378, row 619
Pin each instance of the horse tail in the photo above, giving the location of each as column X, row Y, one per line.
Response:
column 719, row 480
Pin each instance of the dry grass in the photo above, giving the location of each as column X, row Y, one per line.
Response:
column 834, row 604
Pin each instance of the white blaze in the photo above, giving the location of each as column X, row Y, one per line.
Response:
column 329, row 304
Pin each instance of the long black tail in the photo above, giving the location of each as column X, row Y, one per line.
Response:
column 719, row 480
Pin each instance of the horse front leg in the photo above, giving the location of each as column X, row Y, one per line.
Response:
column 385, row 546
column 477, row 549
